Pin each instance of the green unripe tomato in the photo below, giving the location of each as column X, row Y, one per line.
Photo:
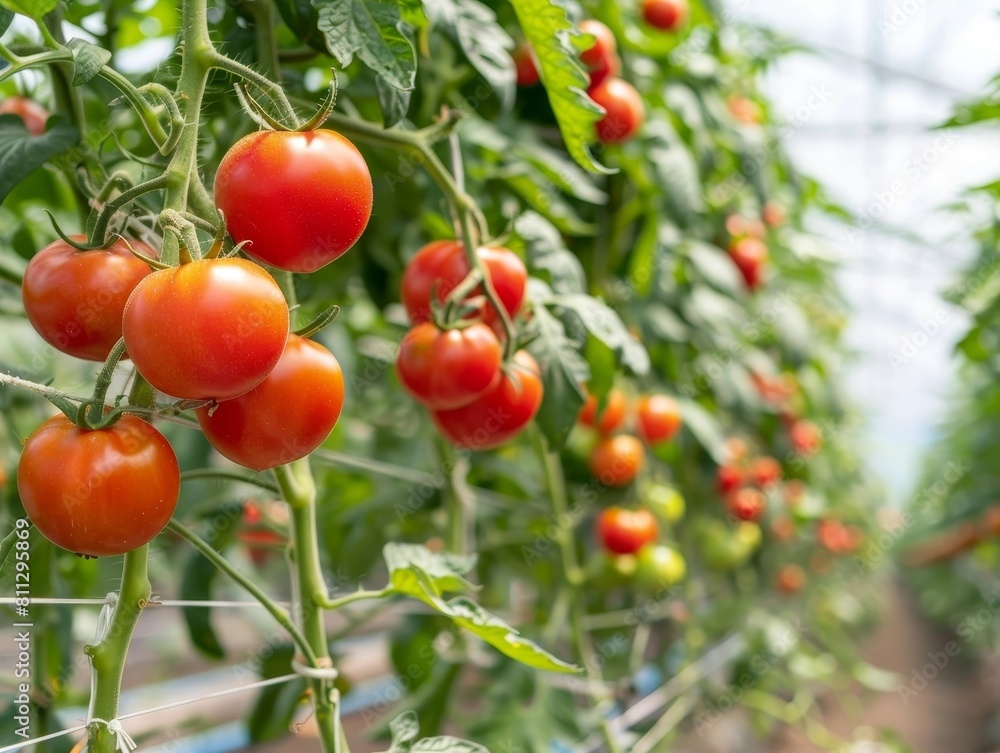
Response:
column 659, row 567
column 607, row 571
column 749, row 536
column 665, row 502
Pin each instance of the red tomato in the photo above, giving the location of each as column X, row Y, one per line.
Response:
column 791, row 579
column 834, row 536
column 625, row 111
column 765, row 471
column 98, row 492
column 498, row 415
column 616, row 461
column 746, row 504
column 807, row 439
column 75, row 299
column 749, row 255
column 612, row 415
column 301, row 199
column 659, row 418
column 604, row 48
column 728, row 478
column 451, row 368
column 213, row 328
column 286, row 416
column 774, row 214
column 32, row 113
column 666, row 15
column 607, row 68
column 624, row 531
column 524, row 63
column 443, row 264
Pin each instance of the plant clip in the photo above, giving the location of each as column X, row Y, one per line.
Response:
column 321, row 321
column 256, row 111
column 325, row 108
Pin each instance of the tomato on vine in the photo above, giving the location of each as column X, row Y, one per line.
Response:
column 658, row 418
column 498, row 415
column 765, row 471
column 623, row 531
column 209, row 329
column 75, row 299
column 601, row 58
column 611, row 417
column 33, row 114
column 749, row 255
column 286, row 416
column 664, row 501
column 299, row 199
column 806, row 437
column 746, row 503
column 525, row 65
column 616, row 461
column 98, row 492
column 625, row 111
column 447, row 369
column 665, row 15
column 442, row 265
column 729, row 477
column 659, row 567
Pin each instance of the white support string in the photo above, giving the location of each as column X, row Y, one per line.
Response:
column 153, row 602
column 115, row 724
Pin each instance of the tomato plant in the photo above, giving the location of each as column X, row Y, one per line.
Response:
column 115, row 490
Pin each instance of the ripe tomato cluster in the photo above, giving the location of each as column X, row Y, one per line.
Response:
column 452, row 360
column 745, row 482
column 629, row 540
column 213, row 330
column 617, row 459
column 624, row 111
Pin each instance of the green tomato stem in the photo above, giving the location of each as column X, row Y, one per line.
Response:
column 199, row 474
column 107, row 658
column 95, row 415
column 310, row 593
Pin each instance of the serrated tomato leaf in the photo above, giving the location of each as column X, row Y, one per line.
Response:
column 21, row 153
column 604, row 323
column 88, row 59
column 547, row 28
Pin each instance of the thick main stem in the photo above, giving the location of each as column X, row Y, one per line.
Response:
column 310, row 592
column 107, row 658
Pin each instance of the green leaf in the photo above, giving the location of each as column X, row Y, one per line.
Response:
column 6, row 548
column 6, row 17
column 713, row 265
column 375, row 32
column 547, row 27
column 485, row 43
column 21, row 153
column 705, row 428
column 301, row 17
column 196, row 585
column 275, row 706
column 405, row 729
column 416, row 570
column 548, row 253
column 676, row 171
column 446, row 744
column 88, row 59
column 603, row 322
column 32, row 8
column 395, row 103
column 532, row 186
column 563, row 372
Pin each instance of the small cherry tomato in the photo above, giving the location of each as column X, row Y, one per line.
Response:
column 807, row 439
column 659, row 567
column 666, row 15
column 666, row 502
column 659, row 418
column 32, row 113
column 443, row 265
column 286, row 416
column 98, row 492
column 212, row 328
column 729, row 478
column 765, row 471
column 75, row 299
column 612, row 415
column 499, row 415
column 616, row 461
column 525, row 65
column 746, row 503
column 445, row 369
column 749, row 255
column 605, row 45
column 625, row 111
column 301, row 199
column 623, row 531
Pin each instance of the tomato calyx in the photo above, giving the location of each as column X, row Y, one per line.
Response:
column 264, row 119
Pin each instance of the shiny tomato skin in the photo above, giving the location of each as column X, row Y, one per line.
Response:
column 209, row 329
column 286, row 416
column 658, row 418
column 301, row 199
column 443, row 264
column 499, row 415
column 446, row 369
column 625, row 111
column 624, row 531
column 32, row 113
column 605, row 45
column 525, row 65
column 749, row 255
column 611, row 417
column 666, row 15
column 98, row 492
column 616, row 461
column 75, row 299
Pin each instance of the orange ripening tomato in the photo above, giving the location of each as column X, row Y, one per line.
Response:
column 616, row 461
column 612, row 415
column 98, row 492
column 212, row 328
column 659, row 418
column 300, row 199
column 75, row 299
column 32, row 113
column 286, row 416
column 499, row 415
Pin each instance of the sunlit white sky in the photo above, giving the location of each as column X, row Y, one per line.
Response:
column 892, row 69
